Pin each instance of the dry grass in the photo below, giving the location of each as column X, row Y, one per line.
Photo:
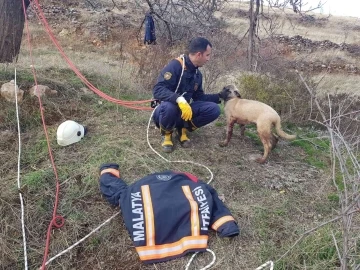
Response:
column 254, row 193
column 337, row 84
column 119, row 136
column 328, row 57
column 336, row 29
column 83, row 53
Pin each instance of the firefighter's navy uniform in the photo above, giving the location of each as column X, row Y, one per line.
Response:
column 204, row 106
column 167, row 214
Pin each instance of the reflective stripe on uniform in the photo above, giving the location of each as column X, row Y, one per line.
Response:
column 221, row 221
column 149, row 215
column 112, row 171
column 195, row 222
column 177, row 248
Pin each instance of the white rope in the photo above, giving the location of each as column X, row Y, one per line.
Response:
column 211, row 178
column 184, row 161
column 174, row 161
column 206, row 267
column 109, row 219
column 269, row 263
column 182, row 71
column 18, row 177
column 81, row 240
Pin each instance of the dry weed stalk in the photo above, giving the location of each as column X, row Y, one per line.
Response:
column 345, row 164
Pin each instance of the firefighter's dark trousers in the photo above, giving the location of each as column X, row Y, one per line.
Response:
column 168, row 115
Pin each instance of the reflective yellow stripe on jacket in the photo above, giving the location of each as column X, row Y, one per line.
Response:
column 221, row 221
column 112, row 171
column 149, row 216
column 177, row 248
column 195, row 222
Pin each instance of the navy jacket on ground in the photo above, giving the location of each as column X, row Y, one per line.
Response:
column 167, row 214
column 191, row 83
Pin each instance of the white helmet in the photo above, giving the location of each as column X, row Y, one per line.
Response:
column 69, row 132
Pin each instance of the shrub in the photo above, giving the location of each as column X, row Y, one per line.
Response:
column 290, row 98
column 285, row 95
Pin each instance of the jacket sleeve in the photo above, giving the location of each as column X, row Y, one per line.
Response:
column 221, row 219
column 111, row 186
column 199, row 95
column 164, row 89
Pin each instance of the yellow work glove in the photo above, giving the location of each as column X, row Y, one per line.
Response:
column 186, row 112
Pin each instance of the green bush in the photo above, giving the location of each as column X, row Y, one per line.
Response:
column 286, row 95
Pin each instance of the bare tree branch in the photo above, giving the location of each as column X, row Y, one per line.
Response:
column 184, row 18
column 344, row 160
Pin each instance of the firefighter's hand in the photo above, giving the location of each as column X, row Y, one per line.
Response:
column 186, row 112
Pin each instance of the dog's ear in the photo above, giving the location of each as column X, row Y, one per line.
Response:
column 237, row 94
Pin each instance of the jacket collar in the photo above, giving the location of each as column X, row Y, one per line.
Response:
column 189, row 65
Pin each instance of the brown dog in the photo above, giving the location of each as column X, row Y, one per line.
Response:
column 244, row 111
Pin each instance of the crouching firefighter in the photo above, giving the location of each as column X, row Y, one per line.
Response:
column 167, row 214
column 179, row 83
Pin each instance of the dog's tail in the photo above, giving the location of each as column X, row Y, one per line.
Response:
column 282, row 133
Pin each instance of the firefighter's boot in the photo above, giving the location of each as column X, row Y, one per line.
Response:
column 183, row 138
column 167, row 144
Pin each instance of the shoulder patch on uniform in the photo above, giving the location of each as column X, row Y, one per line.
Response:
column 167, row 76
column 163, row 177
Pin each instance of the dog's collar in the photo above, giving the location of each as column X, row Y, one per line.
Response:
column 227, row 99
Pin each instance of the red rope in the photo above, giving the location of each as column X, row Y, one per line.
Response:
column 128, row 104
column 56, row 221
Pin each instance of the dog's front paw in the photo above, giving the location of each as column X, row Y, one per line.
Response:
column 261, row 160
column 223, row 144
